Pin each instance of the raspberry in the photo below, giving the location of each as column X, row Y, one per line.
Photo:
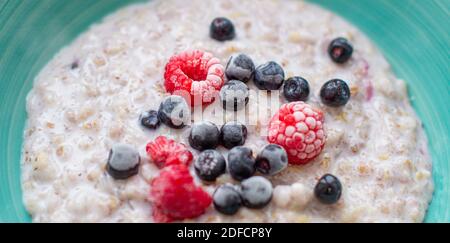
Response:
column 165, row 152
column 175, row 195
column 298, row 127
column 196, row 72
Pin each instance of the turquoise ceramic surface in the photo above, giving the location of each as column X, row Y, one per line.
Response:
column 412, row 34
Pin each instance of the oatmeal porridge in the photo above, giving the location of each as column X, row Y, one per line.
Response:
column 109, row 96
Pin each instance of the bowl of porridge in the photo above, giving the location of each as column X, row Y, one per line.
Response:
column 223, row 111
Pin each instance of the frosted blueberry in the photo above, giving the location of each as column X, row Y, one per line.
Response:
column 269, row 76
column 256, row 192
column 174, row 112
column 204, row 135
column 226, row 199
column 209, row 165
column 271, row 160
column 240, row 67
column 241, row 164
column 123, row 161
column 234, row 95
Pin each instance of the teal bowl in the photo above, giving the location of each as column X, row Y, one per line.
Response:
column 412, row 34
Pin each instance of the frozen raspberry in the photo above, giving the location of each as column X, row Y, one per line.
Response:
column 165, row 152
column 198, row 73
column 175, row 196
column 298, row 127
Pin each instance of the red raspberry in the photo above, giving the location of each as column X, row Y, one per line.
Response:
column 175, row 195
column 199, row 73
column 298, row 127
column 165, row 152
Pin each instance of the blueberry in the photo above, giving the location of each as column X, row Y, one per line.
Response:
column 328, row 190
column 271, row 160
column 241, row 164
column 74, row 65
column 240, row 67
column 269, row 76
column 233, row 134
column 204, row 135
column 234, row 95
column 340, row 50
column 174, row 112
column 226, row 199
column 296, row 89
column 123, row 161
column 149, row 119
column 222, row 29
column 335, row 93
column 256, row 192
column 209, row 165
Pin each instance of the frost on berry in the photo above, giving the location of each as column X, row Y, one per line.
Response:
column 298, row 127
column 175, row 196
column 164, row 152
column 196, row 72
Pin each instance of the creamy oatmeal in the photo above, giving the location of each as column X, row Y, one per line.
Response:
column 90, row 96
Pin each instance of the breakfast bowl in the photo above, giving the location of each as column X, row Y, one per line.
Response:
column 76, row 77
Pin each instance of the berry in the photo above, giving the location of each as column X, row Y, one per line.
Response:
column 241, row 164
column 227, row 199
column 269, row 76
column 298, row 128
column 174, row 112
column 209, row 165
column 204, row 135
column 335, row 93
column 233, row 134
column 256, row 192
column 234, row 95
column 164, row 152
column 149, row 119
column 328, row 190
column 222, row 29
column 75, row 64
column 340, row 50
column 175, row 196
column 240, row 67
column 196, row 74
column 272, row 159
column 123, row 161
column 296, row 89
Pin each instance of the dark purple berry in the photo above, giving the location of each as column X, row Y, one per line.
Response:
column 226, row 199
column 296, row 89
column 340, row 50
column 222, row 29
column 204, row 135
column 269, row 76
column 271, row 160
column 149, row 119
column 256, row 192
column 209, row 165
column 234, row 95
column 328, row 190
column 240, row 67
column 241, row 164
column 335, row 93
column 174, row 112
column 233, row 134
column 123, row 161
